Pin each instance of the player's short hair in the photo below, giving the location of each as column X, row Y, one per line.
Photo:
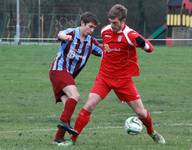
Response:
column 88, row 17
column 118, row 11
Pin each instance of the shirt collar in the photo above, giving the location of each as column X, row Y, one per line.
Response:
column 77, row 34
column 120, row 30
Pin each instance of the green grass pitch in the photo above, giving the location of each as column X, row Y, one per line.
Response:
column 28, row 114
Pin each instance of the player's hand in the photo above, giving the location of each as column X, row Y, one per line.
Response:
column 64, row 37
column 68, row 37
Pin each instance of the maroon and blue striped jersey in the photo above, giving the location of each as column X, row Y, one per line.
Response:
column 73, row 55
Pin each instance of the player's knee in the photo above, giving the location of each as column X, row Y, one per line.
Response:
column 90, row 106
column 75, row 96
column 92, row 102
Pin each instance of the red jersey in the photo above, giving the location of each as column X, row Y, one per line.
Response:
column 119, row 53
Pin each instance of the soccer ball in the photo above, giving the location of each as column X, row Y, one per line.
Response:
column 133, row 125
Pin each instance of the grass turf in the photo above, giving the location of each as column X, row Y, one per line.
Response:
column 28, row 114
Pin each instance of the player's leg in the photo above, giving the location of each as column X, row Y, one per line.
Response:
column 59, row 136
column 142, row 113
column 85, row 113
column 127, row 91
column 70, row 104
column 99, row 90
column 83, row 117
column 144, row 116
column 65, row 91
column 72, row 95
column 69, row 100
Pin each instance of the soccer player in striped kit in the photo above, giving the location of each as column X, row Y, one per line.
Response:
column 119, row 64
column 76, row 46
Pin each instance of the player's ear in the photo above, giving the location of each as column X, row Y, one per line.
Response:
column 82, row 23
column 123, row 21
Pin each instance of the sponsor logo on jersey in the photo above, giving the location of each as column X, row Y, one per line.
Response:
column 73, row 53
column 107, row 49
column 107, row 36
column 119, row 38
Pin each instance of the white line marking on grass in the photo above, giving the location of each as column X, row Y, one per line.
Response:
column 100, row 127
column 91, row 128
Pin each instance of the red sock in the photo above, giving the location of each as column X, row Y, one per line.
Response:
column 148, row 123
column 68, row 110
column 59, row 134
column 81, row 121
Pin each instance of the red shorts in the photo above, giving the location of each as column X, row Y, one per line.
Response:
column 124, row 88
column 59, row 80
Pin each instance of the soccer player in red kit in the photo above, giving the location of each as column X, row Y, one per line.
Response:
column 76, row 46
column 119, row 64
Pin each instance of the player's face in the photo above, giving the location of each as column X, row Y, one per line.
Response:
column 116, row 24
column 88, row 28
